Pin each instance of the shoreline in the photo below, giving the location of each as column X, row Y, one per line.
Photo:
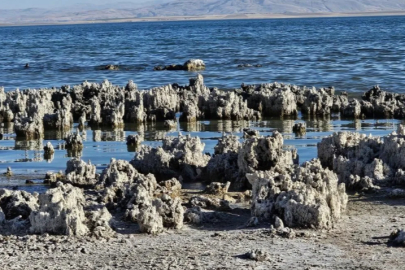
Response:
column 217, row 17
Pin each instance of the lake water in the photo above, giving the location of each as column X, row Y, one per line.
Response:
column 351, row 54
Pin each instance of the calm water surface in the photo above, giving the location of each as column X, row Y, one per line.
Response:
column 351, row 54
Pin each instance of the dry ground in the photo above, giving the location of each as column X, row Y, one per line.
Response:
column 359, row 241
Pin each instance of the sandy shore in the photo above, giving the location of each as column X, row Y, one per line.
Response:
column 219, row 17
column 358, row 242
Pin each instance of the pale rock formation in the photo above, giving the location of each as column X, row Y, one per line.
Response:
column 80, row 173
column 217, row 188
column 265, row 153
column 352, row 109
column 308, row 197
column 48, row 149
column 98, row 220
column 60, row 212
column 194, row 65
column 29, row 127
column 74, row 141
column 15, row 203
column 178, row 156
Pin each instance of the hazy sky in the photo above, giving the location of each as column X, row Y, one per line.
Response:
column 7, row 4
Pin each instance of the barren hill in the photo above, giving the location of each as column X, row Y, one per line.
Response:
column 164, row 8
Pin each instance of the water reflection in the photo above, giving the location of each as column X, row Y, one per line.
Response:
column 101, row 144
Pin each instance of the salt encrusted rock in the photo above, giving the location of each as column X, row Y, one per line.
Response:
column 352, row 109
column 318, row 102
column 178, row 156
column 300, row 128
column 80, row 173
column 15, row 203
column 217, row 188
column 271, row 99
column 360, row 159
column 226, row 144
column 258, row 255
column 397, row 237
column 171, row 211
column 139, row 194
column 209, row 203
column 118, row 172
column 60, row 212
column 309, row 197
column 134, row 140
column 383, row 104
column 149, row 220
column 82, row 121
column 194, row 65
column 29, row 127
column 170, row 124
column 74, row 141
column 111, row 67
column 265, row 153
column 9, row 172
column 190, row 65
column 228, row 105
column 171, row 185
column 48, row 149
column 98, row 221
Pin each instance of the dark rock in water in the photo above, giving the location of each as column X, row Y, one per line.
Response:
column 9, row 172
column 300, row 128
column 190, row 65
column 27, row 65
column 248, row 65
column 1, row 136
column 29, row 182
column 111, row 67
column 134, row 140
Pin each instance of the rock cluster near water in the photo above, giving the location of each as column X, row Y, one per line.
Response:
column 365, row 162
column 32, row 111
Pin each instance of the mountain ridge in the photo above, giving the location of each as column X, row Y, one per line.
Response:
column 167, row 8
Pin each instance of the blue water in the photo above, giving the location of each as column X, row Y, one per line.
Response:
column 351, row 54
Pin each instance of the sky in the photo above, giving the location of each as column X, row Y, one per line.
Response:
column 19, row 4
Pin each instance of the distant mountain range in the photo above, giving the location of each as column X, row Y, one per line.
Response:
column 164, row 8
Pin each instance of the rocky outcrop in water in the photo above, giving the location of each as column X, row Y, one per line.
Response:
column 190, row 65
column 363, row 161
column 80, row 173
column 179, row 156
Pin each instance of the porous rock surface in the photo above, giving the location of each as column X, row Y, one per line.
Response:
column 363, row 161
column 308, row 197
column 80, row 173
column 179, row 156
column 60, row 212
column 141, row 197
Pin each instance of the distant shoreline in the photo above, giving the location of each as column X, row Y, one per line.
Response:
column 218, row 17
